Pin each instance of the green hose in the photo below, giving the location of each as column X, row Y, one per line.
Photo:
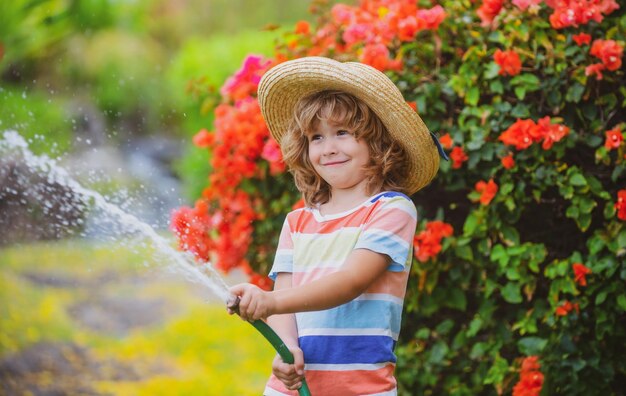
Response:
column 275, row 340
column 281, row 348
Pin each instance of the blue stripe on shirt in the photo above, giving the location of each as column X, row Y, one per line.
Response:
column 357, row 314
column 394, row 247
column 347, row 349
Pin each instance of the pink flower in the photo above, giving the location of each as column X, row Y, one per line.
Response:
column 524, row 4
column 357, row 33
column 246, row 80
column 433, row 17
column 272, row 154
column 595, row 70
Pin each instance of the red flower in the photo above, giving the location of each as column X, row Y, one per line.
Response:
column 203, row 138
column 531, row 363
column 609, row 52
column 579, row 12
column 580, row 271
column 523, row 133
column 531, row 379
column 488, row 10
column 614, row 138
column 582, row 38
column 377, row 56
column 508, row 162
column 518, row 134
column 550, row 133
column 446, row 141
column 487, row 191
column 458, row 157
column 427, row 244
column 620, row 205
column 508, row 61
column 302, row 27
column 565, row 308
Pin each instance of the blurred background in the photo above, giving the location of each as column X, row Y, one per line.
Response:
column 114, row 90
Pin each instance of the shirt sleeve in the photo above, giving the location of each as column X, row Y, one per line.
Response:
column 283, row 260
column 390, row 231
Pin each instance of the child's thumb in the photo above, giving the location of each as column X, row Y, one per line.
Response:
column 298, row 360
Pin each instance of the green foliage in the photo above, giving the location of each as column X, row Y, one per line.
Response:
column 28, row 111
column 500, row 279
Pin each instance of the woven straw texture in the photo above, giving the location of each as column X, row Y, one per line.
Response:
column 282, row 86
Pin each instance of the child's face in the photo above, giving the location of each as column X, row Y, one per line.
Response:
column 338, row 157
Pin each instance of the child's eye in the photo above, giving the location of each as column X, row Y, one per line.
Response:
column 314, row 137
column 342, row 132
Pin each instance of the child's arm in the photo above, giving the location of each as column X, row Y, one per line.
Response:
column 361, row 269
column 285, row 326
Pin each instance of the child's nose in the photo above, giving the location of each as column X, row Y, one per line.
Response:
column 329, row 147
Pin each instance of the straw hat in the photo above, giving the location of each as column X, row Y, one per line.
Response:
column 283, row 85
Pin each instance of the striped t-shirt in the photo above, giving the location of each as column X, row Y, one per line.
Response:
column 349, row 349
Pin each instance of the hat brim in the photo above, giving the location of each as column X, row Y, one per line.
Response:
column 285, row 84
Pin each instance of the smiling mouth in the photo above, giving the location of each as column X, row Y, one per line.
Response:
column 335, row 163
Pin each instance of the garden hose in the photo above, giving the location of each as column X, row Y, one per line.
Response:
column 278, row 344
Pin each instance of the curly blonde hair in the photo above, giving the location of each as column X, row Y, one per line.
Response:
column 387, row 169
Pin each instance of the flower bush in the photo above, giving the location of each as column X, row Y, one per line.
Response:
column 519, row 271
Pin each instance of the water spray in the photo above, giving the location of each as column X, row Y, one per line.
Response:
column 184, row 262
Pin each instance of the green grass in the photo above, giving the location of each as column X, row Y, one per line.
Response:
column 197, row 347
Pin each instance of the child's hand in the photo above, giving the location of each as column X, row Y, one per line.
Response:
column 290, row 374
column 254, row 303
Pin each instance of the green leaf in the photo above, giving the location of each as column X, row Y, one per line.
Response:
column 464, row 252
column 586, row 204
column 438, row 352
column 574, row 93
column 498, row 253
column 491, row 71
column 621, row 301
column 456, row 299
column 471, row 222
column 583, row 221
column 510, row 235
column 472, row 96
column 511, row 293
column 621, row 239
column 475, row 325
column 578, row 180
column 497, row 372
column 531, row 345
column 496, row 87
column 478, row 350
column 601, row 297
column 595, row 244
